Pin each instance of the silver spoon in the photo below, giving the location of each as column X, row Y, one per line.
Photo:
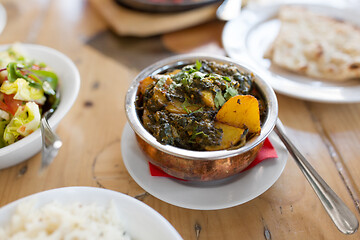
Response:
column 340, row 214
column 51, row 143
column 229, row 9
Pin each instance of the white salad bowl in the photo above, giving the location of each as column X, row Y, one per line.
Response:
column 138, row 220
column 69, row 83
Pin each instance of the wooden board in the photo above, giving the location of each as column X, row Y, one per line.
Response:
column 128, row 22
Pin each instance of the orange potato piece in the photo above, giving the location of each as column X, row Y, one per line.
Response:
column 145, row 118
column 177, row 107
column 208, row 98
column 144, row 84
column 159, row 97
column 231, row 137
column 174, row 72
column 241, row 111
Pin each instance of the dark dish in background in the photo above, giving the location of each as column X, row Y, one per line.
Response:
column 164, row 5
column 199, row 165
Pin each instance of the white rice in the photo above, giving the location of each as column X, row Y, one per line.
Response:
column 64, row 222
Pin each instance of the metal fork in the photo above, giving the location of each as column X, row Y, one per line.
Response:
column 51, row 142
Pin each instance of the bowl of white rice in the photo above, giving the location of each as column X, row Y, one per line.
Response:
column 79, row 213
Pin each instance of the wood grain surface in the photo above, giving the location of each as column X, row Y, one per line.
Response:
column 327, row 134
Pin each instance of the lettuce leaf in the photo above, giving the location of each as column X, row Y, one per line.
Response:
column 25, row 121
column 3, row 124
column 23, row 91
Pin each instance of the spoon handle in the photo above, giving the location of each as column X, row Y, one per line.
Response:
column 340, row 214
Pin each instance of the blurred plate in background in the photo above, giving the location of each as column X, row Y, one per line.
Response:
column 2, row 18
column 247, row 37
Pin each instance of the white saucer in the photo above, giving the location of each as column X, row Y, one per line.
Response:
column 203, row 196
column 247, row 37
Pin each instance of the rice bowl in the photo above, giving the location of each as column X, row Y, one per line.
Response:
column 138, row 219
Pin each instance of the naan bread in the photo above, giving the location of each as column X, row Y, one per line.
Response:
column 316, row 45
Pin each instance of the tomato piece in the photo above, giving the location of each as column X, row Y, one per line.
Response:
column 4, row 107
column 10, row 104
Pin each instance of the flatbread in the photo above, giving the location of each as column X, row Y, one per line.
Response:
column 316, row 45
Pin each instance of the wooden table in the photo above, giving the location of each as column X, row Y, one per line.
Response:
column 327, row 134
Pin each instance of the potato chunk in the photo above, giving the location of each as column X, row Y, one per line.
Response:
column 208, row 98
column 241, row 111
column 144, row 84
column 178, row 107
column 231, row 137
column 145, row 118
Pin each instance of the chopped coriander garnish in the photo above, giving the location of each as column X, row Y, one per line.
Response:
column 187, row 110
column 198, row 65
column 185, row 81
column 230, row 92
column 199, row 110
column 226, row 78
column 193, row 136
column 185, row 105
column 219, row 99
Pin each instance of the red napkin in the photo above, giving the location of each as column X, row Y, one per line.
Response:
column 267, row 151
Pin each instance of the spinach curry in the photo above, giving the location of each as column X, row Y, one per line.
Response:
column 179, row 107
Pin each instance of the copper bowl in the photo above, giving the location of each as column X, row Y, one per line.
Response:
column 199, row 165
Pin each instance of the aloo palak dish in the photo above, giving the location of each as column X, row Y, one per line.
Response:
column 205, row 106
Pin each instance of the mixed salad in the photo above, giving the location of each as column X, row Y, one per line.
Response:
column 27, row 89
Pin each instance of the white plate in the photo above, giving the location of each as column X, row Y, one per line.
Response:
column 2, row 18
column 138, row 219
column 203, row 196
column 247, row 37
